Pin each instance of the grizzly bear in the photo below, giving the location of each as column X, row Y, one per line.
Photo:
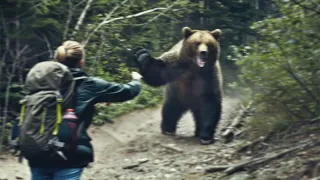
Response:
column 193, row 78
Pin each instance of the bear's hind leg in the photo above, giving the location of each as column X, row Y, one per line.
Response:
column 210, row 117
column 171, row 113
column 197, row 119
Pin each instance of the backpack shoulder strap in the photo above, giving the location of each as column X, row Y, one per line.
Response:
column 22, row 103
column 78, row 81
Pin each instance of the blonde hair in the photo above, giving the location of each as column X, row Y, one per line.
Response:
column 70, row 53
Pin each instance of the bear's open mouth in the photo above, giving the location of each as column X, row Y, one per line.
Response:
column 200, row 62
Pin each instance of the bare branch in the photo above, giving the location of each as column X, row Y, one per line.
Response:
column 7, row 44
column 19, row 52
column 79, row 4
column 36, row 55
column 306, row 7
column 99, row 51
column 33, row 7
column 104, row 22
column 124, row 6
column 82, row 16
column 153, row 19
column 111, row 13
column 70, row 13
column 6, row 35
column 289, row 69
column 48, row 46
column 160, row 14
column 45, row 39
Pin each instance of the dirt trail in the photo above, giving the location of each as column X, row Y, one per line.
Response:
column 134, row 149
column 135, row 140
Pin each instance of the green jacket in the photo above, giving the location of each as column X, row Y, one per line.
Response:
column 90, row 91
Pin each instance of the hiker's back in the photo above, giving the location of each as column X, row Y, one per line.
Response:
column 49, row 90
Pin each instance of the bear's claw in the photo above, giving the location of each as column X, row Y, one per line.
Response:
column 168, row 133
column 206, row 142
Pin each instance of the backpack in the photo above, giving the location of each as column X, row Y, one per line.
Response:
column 43, row 132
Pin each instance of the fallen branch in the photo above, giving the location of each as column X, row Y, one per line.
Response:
column 258, row 161
column 172, row 147
column 255, row 162
column 136, row 164
column 214, row 169
column 131, row 166
column 310, row 169
column 201, row 162
column 229, row 133
column 254, row 143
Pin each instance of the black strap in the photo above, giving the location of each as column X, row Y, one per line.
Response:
column 79, row 80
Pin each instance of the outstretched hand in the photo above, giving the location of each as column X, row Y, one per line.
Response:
column 136, row 76
column 106, row 103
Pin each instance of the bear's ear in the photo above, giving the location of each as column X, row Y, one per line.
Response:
column 186, row 31
column 216, row 34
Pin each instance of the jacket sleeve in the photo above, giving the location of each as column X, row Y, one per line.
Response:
column 114, row 92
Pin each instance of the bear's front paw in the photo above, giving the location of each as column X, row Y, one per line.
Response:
column 141, row 54
column 206, row 141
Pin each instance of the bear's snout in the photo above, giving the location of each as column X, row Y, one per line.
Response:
column 203, row 51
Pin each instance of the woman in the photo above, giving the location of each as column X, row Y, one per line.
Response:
column 88, row 92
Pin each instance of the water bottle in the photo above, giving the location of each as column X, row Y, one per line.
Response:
column 70, row 115
column 68, row 129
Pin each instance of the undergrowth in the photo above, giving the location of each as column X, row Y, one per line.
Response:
column 148, row 97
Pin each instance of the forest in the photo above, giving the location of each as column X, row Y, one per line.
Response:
column 270, row 53
column 270, row 50
column 32, row 30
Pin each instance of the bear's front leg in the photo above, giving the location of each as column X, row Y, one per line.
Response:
column 210, row 117
column 156, row 72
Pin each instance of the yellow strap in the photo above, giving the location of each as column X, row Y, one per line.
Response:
column 22, row 110
column 59, row 117
column 44, row 112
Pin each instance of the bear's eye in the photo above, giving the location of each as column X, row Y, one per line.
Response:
column 197, row 43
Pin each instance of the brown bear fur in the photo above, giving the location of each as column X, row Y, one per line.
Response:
column 195, row 85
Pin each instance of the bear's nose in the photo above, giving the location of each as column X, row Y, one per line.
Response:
column 203, row 53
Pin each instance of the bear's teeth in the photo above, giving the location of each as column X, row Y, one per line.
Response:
column 200, row 62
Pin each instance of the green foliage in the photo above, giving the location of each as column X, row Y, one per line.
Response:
column 149, row 97
column 282, row 67
column 110, row 49
column 41, row 26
